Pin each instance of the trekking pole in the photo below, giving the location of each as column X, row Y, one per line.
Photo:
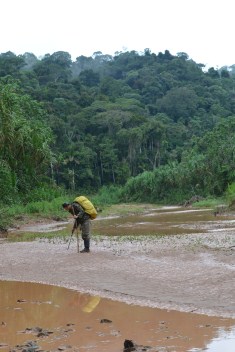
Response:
column 71, row 235
column 70, row 240
column 77, row 240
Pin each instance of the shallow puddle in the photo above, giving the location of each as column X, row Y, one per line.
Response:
column 156, row 221
column 70, row 321
column 163, row 221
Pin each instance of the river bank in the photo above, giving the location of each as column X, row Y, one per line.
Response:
column 191, row 272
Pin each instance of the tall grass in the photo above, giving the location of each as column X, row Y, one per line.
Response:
column 44, row 201
column 230, row 195
column 47, row 202
column 107, row 195
column 44, row 192
column 43, row 207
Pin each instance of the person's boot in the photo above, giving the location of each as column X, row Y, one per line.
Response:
column 86, row 246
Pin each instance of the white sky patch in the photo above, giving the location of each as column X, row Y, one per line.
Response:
column 201, row 28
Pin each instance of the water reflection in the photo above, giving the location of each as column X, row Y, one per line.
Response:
column 74, row 319
column 224, row 342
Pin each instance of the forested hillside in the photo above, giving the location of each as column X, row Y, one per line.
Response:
column 159, row 125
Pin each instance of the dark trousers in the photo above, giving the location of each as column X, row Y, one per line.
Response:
column 85, row 228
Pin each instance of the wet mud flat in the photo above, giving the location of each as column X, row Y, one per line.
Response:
column 36, row 317
column 188, row 268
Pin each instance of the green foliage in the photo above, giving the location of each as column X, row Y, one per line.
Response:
column 45, row 200
column 213, row 203
column 204, row 170
column 7, row 183
column 44, row 192
column 181, row 102
column 24, row 141
column 108, row 195
column 43, row 208
column 230, row 195
column 10, row 64
column 55, row 67
column 158, row 122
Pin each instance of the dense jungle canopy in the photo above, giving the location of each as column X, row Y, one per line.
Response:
column 160, row 126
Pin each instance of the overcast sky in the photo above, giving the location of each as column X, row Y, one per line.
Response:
column 204, row 29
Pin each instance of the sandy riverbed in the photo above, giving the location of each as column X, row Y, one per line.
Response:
column 192, row 273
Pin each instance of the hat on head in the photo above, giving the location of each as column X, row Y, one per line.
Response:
column 65, row 205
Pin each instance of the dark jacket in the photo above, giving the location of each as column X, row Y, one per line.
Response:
column 82, row 216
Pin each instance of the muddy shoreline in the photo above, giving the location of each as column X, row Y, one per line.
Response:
column 190, row 273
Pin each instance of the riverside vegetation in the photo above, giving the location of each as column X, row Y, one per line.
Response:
column 133, row 127
column 45, row 211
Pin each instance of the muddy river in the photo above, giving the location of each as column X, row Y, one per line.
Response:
column 41, row 307
column 154, row 221
column 73, row 321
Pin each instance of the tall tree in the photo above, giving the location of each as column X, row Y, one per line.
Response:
column 10, row 64
column 24, row 137
column 54, row 68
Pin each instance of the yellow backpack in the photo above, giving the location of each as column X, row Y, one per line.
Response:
column 87, row 206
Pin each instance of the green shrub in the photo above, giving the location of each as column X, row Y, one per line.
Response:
column 44, row 191
column 107, row 195
column 7, row 183
column 230, row 195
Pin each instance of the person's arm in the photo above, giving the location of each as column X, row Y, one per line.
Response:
column 77, row 210
column 75, row 225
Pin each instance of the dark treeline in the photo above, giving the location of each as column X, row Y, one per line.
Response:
column 159, row 125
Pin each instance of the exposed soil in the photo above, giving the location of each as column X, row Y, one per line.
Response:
column 192, row 272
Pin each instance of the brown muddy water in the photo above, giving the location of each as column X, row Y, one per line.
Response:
column 156, row 221
column 71, row 321
column 165, row 221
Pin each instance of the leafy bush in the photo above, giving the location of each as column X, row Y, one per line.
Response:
column 108, row 195
column 7, row 184
column 43, row 192
column 44, row 208
column 4, row 219
column 230, row 195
